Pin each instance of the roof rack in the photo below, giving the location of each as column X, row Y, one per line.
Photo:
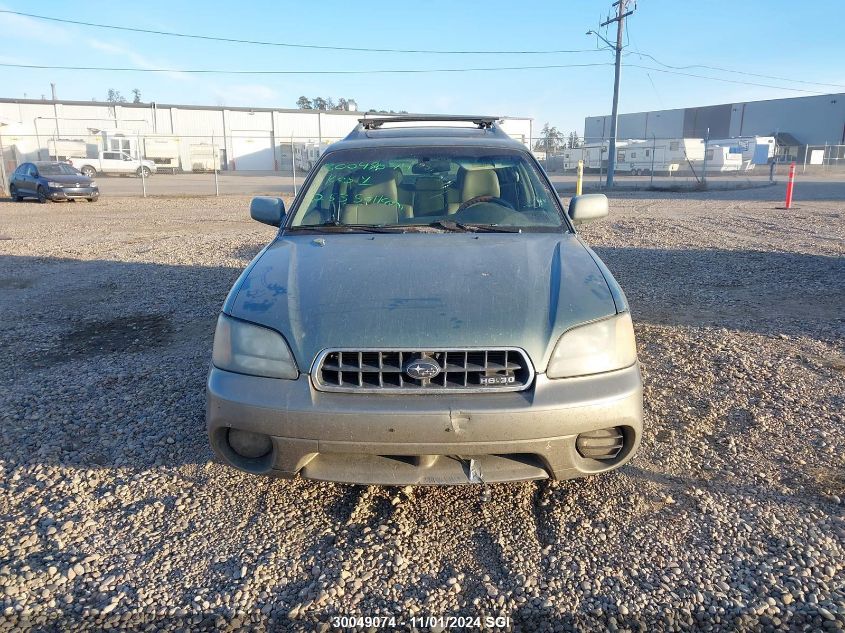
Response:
column 483, row 122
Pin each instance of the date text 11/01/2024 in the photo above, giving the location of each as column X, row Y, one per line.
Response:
column 473, row 622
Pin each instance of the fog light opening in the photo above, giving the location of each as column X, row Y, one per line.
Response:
column 248, row 444
column 601, row 444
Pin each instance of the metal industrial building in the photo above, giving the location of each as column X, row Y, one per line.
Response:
column 799, row 121
column 245, row 139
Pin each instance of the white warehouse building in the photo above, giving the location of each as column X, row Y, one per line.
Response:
column 180, row 137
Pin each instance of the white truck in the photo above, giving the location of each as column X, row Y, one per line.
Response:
column 117, row 163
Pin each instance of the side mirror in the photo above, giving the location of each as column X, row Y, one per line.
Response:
column 267, row 210
column 588, row 207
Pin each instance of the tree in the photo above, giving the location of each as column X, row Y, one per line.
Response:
column 573, row 141
column 330, row 105
column 319, row 103
column 550, row 140
column 304, row 103
column 342, row 104
column 114, row 96
column 137, row 95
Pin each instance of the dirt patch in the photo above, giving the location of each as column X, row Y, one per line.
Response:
column 121, row 334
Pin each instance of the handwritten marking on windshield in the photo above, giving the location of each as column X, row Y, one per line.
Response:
column 356, row 199
column 349, row 180
column 375, row 165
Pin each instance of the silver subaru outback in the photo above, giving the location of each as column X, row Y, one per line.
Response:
column 426, row 314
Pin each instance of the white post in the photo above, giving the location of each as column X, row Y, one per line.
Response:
column 3, row 180
column 653, row 149
column 216, row 160
column 141, row 164
column 293, row 165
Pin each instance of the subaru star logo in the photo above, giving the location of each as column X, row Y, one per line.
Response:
column 422, row 368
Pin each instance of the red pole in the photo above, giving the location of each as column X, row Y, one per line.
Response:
column 790, row 183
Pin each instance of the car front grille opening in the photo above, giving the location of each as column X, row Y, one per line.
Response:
column 447, row 370
column 602, row 444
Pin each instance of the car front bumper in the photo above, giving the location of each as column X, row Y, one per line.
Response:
column 70, row 193
column 400, row 439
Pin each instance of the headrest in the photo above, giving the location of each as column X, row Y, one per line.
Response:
column 370, row 214
column 376, row 183
column 479, row 182
column 429, row 183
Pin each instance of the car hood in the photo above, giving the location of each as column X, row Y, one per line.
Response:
column 422, row 290
column 68, row 180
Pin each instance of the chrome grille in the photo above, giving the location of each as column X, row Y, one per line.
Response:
column 376, row 371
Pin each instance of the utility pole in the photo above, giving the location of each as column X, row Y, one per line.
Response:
column 621, row 13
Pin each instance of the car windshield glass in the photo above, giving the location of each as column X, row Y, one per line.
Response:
column 470, row 187
column 57, row 169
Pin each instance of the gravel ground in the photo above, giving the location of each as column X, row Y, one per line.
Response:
column 115, row 515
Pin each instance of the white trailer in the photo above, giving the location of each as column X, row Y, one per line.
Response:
column 755, row 150
column 164, row 152
column 305, row 155
column 63, row 149
column 204, row 157
column 659, row 155
column 722, row 158
column 641, row 156
column 594, row 156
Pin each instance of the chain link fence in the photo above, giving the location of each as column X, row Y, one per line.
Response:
column 145, row 164
column 687, row 163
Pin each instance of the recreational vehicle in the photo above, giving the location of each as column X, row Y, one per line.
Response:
column 306, row 154
column 640, row 156
column 164, row 152
column 63, row 149
column 722, row 158
column 204, row 157
column 754, row 150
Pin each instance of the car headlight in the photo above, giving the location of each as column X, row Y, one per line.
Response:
column 594, row 348
column 92, row 184
column 251, row 349
column 55, row 185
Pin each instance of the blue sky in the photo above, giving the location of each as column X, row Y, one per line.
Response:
column 787, row 39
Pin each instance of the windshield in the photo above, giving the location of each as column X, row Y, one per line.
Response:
column 451, row 186
column 56, row 169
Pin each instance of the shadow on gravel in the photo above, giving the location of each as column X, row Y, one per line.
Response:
column 109, row 358
column 755, row 291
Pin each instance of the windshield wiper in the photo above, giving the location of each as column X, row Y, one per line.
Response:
column 452, row 225
column 340, row 227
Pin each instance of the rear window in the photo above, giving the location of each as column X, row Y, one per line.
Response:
column 57, row 169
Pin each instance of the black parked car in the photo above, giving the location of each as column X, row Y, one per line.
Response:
column 51, row 181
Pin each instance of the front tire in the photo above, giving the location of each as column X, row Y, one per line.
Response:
column 144, row 171
column 13, row 193
column 88, row 171
column 93, row 199
column 42, row 195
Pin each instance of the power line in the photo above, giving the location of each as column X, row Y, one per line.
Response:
column 214, row 71
column 230, row 40
column 730, row 81
column 396, row 71
column 737, row 72
column 416, row 51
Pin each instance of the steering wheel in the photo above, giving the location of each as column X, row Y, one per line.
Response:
column 478, row 199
